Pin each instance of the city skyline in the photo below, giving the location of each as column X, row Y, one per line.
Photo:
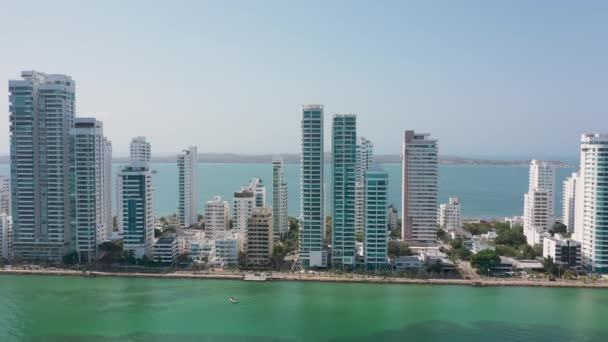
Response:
column 506, row 74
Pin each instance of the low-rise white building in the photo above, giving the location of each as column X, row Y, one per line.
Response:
column 431, row 257
column 166, row 249
column 226, row 249
column 449, row 214
column 564, row 252
column 408, row 264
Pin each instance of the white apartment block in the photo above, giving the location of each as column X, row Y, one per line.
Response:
column 564, row 252
column 393, row 218
column 227, row 246
column 279, row 200
column 449, row 215
column 5, row 195
column 140, row 151
column 89, row 189
column 6, row 237
column 167, row 249
column 187, row 171
column 256, row 186
column 591, row 218
column 420, row 185
column 569, row 200
column 217, row 215
column 365, row 150
column 242, row 204
column 538, row 201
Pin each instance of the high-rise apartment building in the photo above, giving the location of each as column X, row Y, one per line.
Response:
column 449, row 215
column 568, row 201
column 187, row 171
column 89, row 195
column 344, row 178
column 217, row 215
column 375, row 238
column 242, row 204
column 256, row 186
column 538, row 201
column 312, row 223
column 136, row 209
column 365, row 149
column 6, row 237
column 279, row 200
column 5, row 195
column 259, row 242
column 41, row 115
column 591, row 226
column 393, row 221
column 420, row 183
column 140, row 151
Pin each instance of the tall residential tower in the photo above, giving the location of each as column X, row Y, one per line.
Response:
column 312, row 223
column 187, row 208
column 279, row 200
column 420, row 183
column 365, row 149
column 41, row 115
column 344, row 178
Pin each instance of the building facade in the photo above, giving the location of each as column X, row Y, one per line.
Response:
column 226, row 248
column 566, row 253
column 41, row 115
column 5, row 195
column 538, row 201
column 279, row 200
column 344, row 178
column 375, row 237
column 591, row 225
column 259, row 244
column 89, row 189
column 449, row 215
column 568, row 201
column 365, row 150
column 6, row 237
column 312, row 209
column 187, row 171
column 140, row 151
column 167, row 249
column 393, row 218
column 217, row 215
column 420, row 184
column 136, row 209
column 242, row 205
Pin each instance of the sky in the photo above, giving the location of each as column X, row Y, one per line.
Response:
column 487, row 78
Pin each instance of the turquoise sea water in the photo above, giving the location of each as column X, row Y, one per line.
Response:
column 484, row 191
column 34, row 308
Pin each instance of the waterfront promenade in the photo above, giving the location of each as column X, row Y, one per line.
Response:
column 318, row 277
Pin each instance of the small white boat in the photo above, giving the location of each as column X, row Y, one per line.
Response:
column 232, row 300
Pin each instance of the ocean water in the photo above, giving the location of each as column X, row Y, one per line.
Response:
column 35, row 308
column 484, row 191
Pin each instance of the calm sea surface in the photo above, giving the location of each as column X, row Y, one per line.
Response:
column 484, row 191
column 34, row 308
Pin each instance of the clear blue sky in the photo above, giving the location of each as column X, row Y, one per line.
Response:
column 487, row 78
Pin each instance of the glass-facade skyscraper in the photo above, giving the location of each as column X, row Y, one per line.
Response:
column 344, row 178
column 375, row 241
column 312, row 224
column 41, row 115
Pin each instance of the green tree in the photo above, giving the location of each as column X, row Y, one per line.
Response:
column 507, row 251
column 484, row 260
column 559, row 228
column 442, row 235
column 550, row 266
column 436, row 267
column 397, row 249
column 359, row 236
column 527, row 252
column 157, row 232
column 511, row 237
column 456, row 243
column 477, row 228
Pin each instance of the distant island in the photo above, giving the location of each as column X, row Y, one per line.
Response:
column 294, row 158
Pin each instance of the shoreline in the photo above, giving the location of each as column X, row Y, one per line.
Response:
column 315, row 278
